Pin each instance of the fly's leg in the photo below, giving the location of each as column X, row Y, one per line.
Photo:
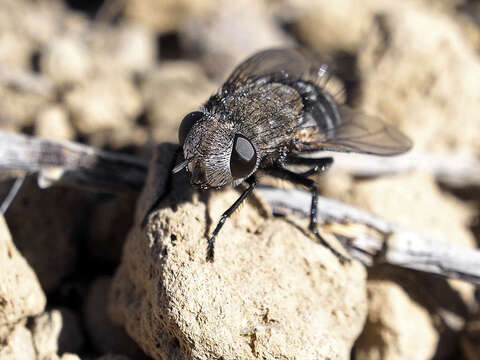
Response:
column 252, row 181
column 301, row 179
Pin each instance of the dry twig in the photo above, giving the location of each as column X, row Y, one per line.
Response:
column 70, row 163
column 374, row 240
column 369, row 238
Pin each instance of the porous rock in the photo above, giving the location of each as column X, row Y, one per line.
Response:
column 397, row 327
column 272, row 292
column 131, row 45
column 166, row 16
column 170, row 91
column 105, row 104
column 20, row 291
column 408, row 200
column 226, row 37
column 56, row 332
column 425, row 87
column 52, row 123
column 17, row 344
column 66, row 60
column 332, row 27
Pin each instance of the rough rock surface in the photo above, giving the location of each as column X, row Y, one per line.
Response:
column 172, row 90
column 434, row 98
column 408, row 200
column 20, row 291
column 52, row 123
column 56, row 331
column 271, row 292
column 390, row 334
column 246, row 28
column 17, row 344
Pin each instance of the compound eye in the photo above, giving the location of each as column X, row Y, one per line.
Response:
column 243, row 158
column 187, row 123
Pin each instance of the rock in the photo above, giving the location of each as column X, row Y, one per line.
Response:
column 230, row 35
column 106, row 336
column 397, row 327
column 272, row 292
column 53, row 250
column 18, row 109
column 104, row 104
column 52, row 123
column 20, row 291
column 18, row 345
column 56, row 331
column 425, row 87
column 66, row 60
column 15, row 50
column 166, row 16
column 170, row 92
column 329, row 27
column 407, row 200
column 132, row 46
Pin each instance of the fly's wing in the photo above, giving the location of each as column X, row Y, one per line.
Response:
column 278, row 64
column 353, row 131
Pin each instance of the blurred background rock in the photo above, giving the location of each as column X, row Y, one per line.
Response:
column 121, row 74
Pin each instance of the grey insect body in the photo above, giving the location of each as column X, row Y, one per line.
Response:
column 274, row 108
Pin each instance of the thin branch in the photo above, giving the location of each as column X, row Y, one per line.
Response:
column 70, row 163
column 369, row 238
column 374, row 240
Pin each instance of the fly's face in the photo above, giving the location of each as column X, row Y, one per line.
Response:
column 216, row 153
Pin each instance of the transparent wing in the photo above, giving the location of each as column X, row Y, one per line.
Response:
column 278, row 63
column 355, row 132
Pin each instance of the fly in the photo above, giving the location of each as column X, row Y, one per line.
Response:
column 273, row 110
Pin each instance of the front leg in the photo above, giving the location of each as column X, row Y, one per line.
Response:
column 252, row 181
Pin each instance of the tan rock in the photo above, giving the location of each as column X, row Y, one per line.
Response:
column 18, row 109
column 20, row 291
column 409, row 200
column 56, row 331
column 397, row 327
column 328, row 26
column 52, row 123
column 272, row 291
column 231, row 34
column 170, row 92
column 66, row 60
column 15, row 50
column 165, row 16
column 18, row 345
column 417, row 72
column 103, row 104
column 132, row 46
